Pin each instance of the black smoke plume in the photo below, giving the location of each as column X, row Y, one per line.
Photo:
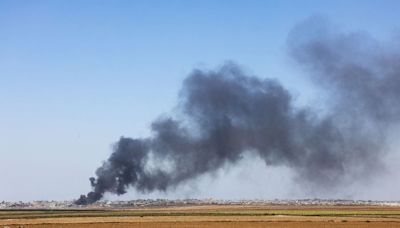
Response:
column 226, row 112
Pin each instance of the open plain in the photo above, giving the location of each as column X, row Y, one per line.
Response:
column 207, row 216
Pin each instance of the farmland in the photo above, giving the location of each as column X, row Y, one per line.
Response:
column 208, row 216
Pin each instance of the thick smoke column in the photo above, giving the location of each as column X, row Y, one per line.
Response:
column 226, row 113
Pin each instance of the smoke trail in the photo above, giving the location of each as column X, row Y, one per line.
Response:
column 226, row 113
column 362, row 75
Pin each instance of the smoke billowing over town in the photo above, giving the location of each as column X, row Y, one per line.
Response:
column 226, row 113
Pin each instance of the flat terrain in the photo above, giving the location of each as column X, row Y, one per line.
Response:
column 208, row 216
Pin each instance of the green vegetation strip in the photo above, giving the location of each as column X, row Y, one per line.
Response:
column 113, row 213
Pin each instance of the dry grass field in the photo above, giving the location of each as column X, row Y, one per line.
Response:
column 207, row 216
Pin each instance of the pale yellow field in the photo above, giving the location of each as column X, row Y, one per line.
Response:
column 208, row 216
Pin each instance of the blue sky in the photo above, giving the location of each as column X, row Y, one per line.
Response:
column 77, row 75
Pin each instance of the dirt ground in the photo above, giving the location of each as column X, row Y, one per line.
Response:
column 208, row 216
